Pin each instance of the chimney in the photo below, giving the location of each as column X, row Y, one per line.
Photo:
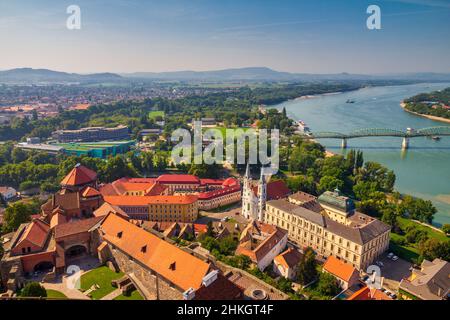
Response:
column 210, row 278
column 189, row 294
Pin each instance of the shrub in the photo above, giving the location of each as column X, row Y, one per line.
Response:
column 33, row 289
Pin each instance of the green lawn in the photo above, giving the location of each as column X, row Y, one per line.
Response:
column 223, row 131
column 154, row 114
column 410, row 252
column 134, row 296
column 404, row 223
column 55, row 294
column 101, row 276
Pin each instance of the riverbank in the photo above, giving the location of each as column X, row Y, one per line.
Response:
column 434, row 118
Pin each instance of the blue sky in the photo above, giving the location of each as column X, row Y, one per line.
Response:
column 317, row 36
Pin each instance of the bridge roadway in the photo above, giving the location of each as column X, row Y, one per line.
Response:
column 381, row 132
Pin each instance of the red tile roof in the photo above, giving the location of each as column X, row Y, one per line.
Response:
column 90, row 192
column 75, row 227
column 218, row 193
column 78, row 176
column 107, row 208
column 369, row 294
column 172, row 263
column 275, row 190
column 230, row 182
column 211, row 182
column 36, row 232
column 339, row 268
column 178, row 179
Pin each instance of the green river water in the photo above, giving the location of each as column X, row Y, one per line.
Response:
column 423, row 170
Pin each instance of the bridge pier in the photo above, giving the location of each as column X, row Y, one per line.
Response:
column 344, row 143
column 405, row 143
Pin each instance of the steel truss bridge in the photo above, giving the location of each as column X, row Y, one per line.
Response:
column 380, row 132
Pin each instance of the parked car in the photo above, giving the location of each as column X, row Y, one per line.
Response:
column 390, row 255
column 394, row 258
column 380, row 264
column 225, row 219
column 393, row 296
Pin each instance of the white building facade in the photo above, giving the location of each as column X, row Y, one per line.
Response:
column 253, row 205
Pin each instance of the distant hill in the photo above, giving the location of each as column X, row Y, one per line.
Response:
column 29, row 75
column 267, row 74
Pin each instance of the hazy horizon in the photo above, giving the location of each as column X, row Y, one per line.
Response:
column 318, row 37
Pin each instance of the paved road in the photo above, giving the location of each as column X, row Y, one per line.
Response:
column 394, row 271
column 112, row 295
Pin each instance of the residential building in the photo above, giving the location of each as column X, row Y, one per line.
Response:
column 431, row 282
column 92, row 134
column 285, row 264
column 262, row 243
column 179, row 208
column 331, row 227
column 345, row 273
column 8, row 193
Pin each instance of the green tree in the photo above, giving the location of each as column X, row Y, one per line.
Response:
column 328, row 183
column 446, row 228
column 432, row 248
column 422, row 210
column 18, row 155
column 16, row 214
column 390, row 217
column 307, row 267
column 33, row 289
column 328, row 285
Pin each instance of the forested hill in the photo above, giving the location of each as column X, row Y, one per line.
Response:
column 436, row 103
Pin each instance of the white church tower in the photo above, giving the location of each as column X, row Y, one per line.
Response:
column 253, row 205
column 262, row 195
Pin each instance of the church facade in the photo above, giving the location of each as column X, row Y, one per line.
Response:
column 253, row 203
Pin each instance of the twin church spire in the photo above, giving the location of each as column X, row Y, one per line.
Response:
column 253, row 205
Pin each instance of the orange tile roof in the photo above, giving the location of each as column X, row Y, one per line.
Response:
column 90, row 192
column 146, row 200
column 289, row 258
column 57, row 219
column 172, row 263
column 339, row 268
column 369, row 294
column 36, row 232
column 78, row 176
column 107, row 208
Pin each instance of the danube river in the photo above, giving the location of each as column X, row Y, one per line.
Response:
column 423, row 170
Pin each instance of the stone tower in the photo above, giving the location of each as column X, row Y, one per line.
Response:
column 262, row 195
